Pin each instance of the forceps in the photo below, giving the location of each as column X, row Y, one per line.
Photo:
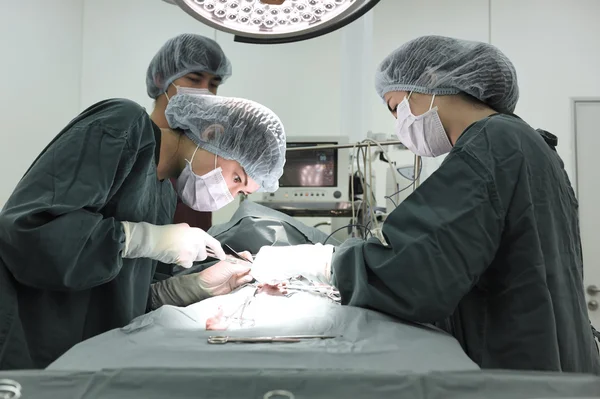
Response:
column 306, row 288
column 330, row 293
column 229, row 251
column 221, row 339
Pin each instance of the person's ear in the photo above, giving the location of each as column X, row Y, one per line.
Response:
column 158, row 81
column 212, row 132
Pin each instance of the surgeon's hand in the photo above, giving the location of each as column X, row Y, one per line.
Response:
column 225, row 276
column 177, row 244
column 281, row 263
column 184, row 290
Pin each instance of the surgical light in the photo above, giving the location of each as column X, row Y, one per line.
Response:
column 275, row 21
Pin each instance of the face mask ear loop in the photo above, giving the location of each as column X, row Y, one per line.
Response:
column 166, row 95
column 193, row 155
column 432, row 100
column 409, row 94
column 216, row 156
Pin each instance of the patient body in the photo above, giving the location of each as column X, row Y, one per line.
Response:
column 267, row 304
column 274, row 298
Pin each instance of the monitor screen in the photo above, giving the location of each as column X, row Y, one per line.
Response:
column 307, row 168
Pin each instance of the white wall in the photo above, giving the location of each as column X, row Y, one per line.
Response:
column 40, row 64
column 555, row 46
column 294, row 80
column 120, row 38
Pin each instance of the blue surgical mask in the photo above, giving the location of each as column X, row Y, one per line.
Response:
column 206, row 193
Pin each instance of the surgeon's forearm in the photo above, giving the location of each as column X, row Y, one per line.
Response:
column 177, row 291
column 360, row 286
column 78, row 250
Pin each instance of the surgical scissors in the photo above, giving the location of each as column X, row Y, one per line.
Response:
column 9, row 389
column 222, row 339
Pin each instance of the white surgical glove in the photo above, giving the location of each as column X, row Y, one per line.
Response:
column 171, row 244
column 184, row 290
column 281, row 263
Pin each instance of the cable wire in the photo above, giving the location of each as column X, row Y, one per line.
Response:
column 345, row 227
column 412, row 184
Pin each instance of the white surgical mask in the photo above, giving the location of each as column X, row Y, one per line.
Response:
column 424, row 135
column 191, row 91
column 206, row 193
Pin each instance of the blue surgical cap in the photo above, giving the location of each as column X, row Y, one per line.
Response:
column 236, row 129
column 185, row 54
column 442, row 65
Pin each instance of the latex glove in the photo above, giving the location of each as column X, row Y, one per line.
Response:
column 227, row 275
column 177, row 244
column 184, row 290
column 281, row 263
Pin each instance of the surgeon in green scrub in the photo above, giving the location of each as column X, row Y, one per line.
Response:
column 193, row 64
column 188, row 63
column 83, row 230
column 488, row 248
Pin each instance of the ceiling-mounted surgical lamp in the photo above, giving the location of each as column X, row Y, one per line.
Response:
column 275, row 21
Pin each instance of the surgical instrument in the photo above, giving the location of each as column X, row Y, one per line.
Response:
column 220, row 339
column 330, row 293
column 306, row 288
column 9, row 389
column 228, row 251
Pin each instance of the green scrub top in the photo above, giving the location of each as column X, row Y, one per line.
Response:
column 62, row 277
column 488, row 249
